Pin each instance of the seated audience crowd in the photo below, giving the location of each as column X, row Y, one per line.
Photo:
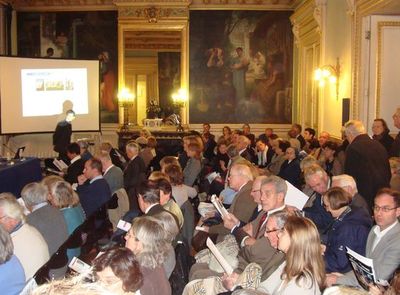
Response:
column 283, row 212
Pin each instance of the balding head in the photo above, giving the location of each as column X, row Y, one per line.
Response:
column 346, row 182
column 239, row 175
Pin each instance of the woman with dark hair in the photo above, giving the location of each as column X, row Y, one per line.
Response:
column 12, row 275
column 350, row 228
column 180, row 191
column 226, row 135
column 332, row 163
column 118, row 270
column 290, row 169
column 279, row 146
column 221, row 160
column 380, row 131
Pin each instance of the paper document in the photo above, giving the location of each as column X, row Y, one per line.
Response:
column 225, row 265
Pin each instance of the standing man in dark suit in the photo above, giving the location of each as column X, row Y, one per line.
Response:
column 395, row 149
column 77, row 164
column 93, row 189
column 134, row 173
column 62, row 136
column 366, row 160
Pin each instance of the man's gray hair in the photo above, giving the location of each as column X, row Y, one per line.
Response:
column 345, row 180
column 232, row 151
column 34, row 193
column 281, row 216
column 354, row 128
column 133, row 146
column 243, row 170
column 6, row 246
column 314, row 169
column 11, row 208
column 279, row 184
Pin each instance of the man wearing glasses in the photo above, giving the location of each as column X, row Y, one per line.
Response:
column 383, row 243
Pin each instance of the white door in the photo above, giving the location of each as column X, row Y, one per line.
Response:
column 381, row 82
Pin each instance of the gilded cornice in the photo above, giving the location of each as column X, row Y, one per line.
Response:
column 152, row 13
column 87, row 5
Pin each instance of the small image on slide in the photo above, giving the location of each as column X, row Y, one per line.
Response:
column 39, row 85
column 54, row 85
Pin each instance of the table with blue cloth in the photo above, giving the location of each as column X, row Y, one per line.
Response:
column 15, row 174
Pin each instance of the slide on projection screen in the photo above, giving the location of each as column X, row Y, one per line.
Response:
column 35, row 93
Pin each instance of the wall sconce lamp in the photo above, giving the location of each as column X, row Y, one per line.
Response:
column 126, row 99
column 179, row 99
column 328, row 73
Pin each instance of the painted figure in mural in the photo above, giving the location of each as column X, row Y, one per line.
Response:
column 239, row 68
column 216, row 58
column 267, row 88
column 256, row 70
column 107, row 83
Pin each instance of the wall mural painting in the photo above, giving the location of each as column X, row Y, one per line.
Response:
column 169, row 79
column 78, row 35
column 240, row 67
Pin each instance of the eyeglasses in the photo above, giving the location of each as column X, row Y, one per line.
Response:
column 384, row 209
column 130, row 235
column 273, row 230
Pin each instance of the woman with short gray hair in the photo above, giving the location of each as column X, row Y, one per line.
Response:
column 12, row 275
column 147, row 240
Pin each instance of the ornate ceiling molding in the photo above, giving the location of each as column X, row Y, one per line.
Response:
column 82, row 5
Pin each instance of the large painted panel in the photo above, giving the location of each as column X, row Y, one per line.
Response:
column 240, row 67
column 80, row 35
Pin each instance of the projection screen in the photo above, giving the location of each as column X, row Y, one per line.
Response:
column 35, row 93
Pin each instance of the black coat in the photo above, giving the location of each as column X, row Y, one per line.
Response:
column 367, row 161
column 62, row 137
column 385, row 139
column 134, row 174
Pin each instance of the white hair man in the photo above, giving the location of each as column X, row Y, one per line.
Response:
column 366, row 161
column 48, row 220
column 318, row 180
column 26, row 238
column 134, row 173
column 348, row 183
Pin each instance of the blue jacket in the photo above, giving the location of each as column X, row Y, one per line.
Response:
column 318, row 214
column 351, row 230
column 93, row 195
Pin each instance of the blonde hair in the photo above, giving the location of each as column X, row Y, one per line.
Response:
column 354, row 128
column 157, row 175
column 50, row 180
column 63, row 195
column 151, row 234
column 308, row 162
column 304, row 257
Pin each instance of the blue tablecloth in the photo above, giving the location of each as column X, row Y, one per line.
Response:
column 14, row 177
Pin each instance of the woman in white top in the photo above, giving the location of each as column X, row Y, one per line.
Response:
column 180, row 191
column 303, row 272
